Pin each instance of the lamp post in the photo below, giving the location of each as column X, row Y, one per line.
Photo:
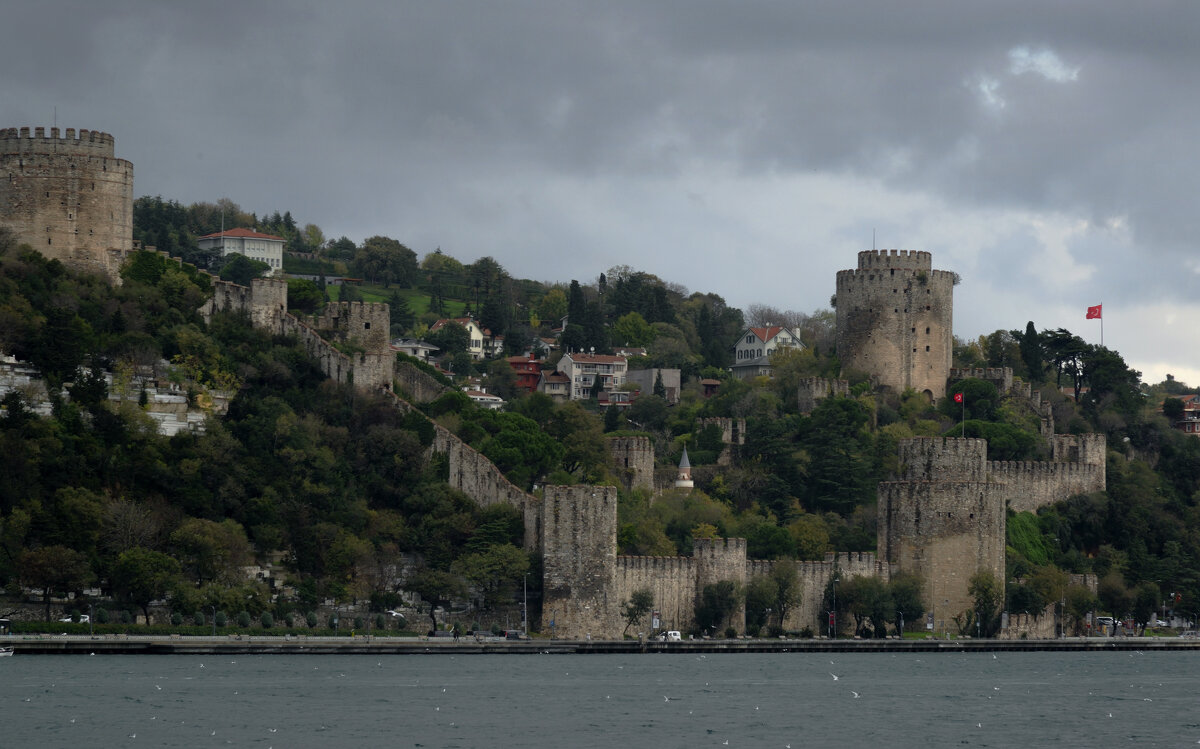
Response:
column 525, row 607
column 901, row 632
column 214, row 620
column 91, row 616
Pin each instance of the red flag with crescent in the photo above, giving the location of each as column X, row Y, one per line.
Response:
column 1093, row 313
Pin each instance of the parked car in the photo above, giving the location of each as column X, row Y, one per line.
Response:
column 671, row 635
column 83, row 619
column 1189, row 633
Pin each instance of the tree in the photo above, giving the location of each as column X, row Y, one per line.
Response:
column 384, row 260
column 141, row 576
column 212, row 551
column 988, row 593
column 242, row 270
column 436, row 588
column 717, row 603
column 760, row 602
column 906, row 597
column 635, row 609
column 450, row 338
column 631, row 329
column 54, row 569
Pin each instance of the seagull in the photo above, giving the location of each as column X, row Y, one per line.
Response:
column 835, row 677
column 158, row 687
column 665, row 698
column 1109, row 715
column 272, row 730
column 854, row 693
column 979, row 725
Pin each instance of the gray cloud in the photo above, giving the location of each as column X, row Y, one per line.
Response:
column 1044, row 147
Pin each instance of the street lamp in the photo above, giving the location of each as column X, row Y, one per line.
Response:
column 525, row 607
column 91, row 617
column 214, row 620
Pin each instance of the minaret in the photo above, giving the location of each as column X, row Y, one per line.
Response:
column 685, row 472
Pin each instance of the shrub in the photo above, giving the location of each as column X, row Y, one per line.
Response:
column 310, row 619
column 176, row 619
column 102, row 616
column 380, row 621
column 198, row 619
column 359, row 623
column 730, row 633
column 126, row 617
column 267, row 620
column 243, row 619
column 222, row 619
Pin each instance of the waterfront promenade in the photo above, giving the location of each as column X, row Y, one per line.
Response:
column 46, row 644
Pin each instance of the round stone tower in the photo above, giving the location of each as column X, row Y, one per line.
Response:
column 895, row 320
column 68, row 197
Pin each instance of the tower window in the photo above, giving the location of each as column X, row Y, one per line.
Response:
column 926, row 331
column 926, row 349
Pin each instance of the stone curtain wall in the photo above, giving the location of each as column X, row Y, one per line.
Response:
column 417, row 385
column 68, row 197
column 672, row 580
column 480, row 479
column 632, row 460
column 943, row 459
column 895, row 320
column 1033, row 485
column 579, row 561
column 812, row 390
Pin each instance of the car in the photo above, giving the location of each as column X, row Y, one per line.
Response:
column 1191, row 633
column 83, row 619
column 1104, row 621
column 671, row 636
column 1160, row 623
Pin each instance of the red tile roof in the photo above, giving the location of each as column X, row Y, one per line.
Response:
column 247, row 233
column 766, row 334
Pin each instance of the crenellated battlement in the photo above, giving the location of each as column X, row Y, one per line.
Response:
column 84, row 143
column 909, row 259
column 943, row 459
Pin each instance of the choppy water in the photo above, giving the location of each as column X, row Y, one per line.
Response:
column 747, row 700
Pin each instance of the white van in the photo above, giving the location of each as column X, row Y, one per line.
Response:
column 672, row 636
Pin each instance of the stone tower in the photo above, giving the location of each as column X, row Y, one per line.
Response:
column 894, row 320
column 68, row 197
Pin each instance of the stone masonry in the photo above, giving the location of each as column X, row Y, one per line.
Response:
column 894, row 320
column 68, row 196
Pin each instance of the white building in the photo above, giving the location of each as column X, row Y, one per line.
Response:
column 752, row 353
column 266, row 248
column 477, row 336
column 583, row 369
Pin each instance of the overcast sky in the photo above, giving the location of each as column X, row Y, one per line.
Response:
column 1046, row 152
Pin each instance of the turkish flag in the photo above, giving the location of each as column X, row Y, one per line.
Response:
column 958, row 397
column 1094, row 312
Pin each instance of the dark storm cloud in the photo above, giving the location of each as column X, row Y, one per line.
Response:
column 1046, row 146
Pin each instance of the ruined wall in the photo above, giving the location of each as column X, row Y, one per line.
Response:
column 363, row 325
column 480, row 479
column 733, row 435
column 579, row 561
column 895, row 320
column 68, row 197
column 812, row 390
column 1001, row 377
column 632, row 460
column 417, row 384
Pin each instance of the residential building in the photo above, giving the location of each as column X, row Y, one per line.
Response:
column 528, row 370
column 1190, row 421
column 645, row 379
column 555, row 384
column 583, row 369
column 254, row 245
column 484, row 398
column 414, row 348
column 475, row 334
column 753, row 351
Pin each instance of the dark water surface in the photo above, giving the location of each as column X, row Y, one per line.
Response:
column 747, row 700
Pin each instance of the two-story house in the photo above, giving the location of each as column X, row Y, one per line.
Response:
column 476, row 335
column 752, row 353
column 528, row 370
column 582, row 370
column 255, row 245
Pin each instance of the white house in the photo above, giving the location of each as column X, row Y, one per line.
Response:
column 414, row 348
column 254, row 245
column 752, row 353
column 475, row 334
column 583, row 369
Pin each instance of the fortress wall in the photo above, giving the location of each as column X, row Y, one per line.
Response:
column 417, row 384
column 719, row 559
column 1090, row 449
column 943, row 532
column 943, row 459
column 815, row 576
column 672, row 580
column 895, row 320
column 480, row 479
column 632, row 460
column 68, row 197
column 815, row 389
column 1029, row 485
column 579, row 561
column 1001, row 377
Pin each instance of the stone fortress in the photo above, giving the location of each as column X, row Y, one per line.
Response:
column 942, row 517
column 68, row 196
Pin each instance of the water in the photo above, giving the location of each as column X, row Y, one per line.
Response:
column 749, row 700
